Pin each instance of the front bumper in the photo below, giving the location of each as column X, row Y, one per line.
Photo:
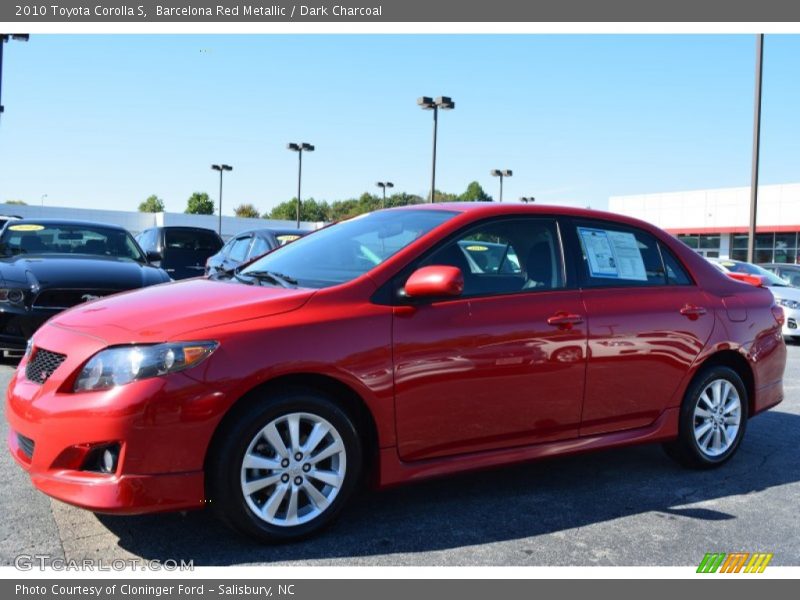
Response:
column 18, row 324
column 162, row 425
column 791, row 325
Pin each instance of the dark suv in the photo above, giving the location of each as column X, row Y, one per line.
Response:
column 180, row 251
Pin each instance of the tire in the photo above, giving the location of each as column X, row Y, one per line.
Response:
column 277, row 497
column 708, row 438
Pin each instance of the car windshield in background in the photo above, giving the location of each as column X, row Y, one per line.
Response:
column 199, row 240
column 347, row 250
column 32, row 238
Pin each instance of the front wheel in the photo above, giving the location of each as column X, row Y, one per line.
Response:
column 284, row 467
column 712, row 420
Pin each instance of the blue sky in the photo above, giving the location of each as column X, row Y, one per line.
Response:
column 104, row 121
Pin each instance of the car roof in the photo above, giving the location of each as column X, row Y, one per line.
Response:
column 71, row 222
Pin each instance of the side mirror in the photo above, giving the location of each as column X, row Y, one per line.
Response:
column 153, row 256
column 436, row 281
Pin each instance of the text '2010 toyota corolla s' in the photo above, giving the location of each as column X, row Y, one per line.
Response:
column 403, row 344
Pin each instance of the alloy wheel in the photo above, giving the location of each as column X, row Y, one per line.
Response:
column 717, row 417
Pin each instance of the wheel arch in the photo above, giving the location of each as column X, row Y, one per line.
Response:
column 733, row 360
column 342, row 394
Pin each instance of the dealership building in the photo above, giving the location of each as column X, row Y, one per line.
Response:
column 715, row 222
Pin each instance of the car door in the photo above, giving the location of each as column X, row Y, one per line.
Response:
column 503, row 364
column 647, row 324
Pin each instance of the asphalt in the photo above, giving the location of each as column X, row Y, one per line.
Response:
column 630, row 506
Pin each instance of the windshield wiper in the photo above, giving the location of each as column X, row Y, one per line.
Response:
column 279, row 278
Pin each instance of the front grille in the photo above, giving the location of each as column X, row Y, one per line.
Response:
column 26, row 445
column 41, row 366
column 66, row 298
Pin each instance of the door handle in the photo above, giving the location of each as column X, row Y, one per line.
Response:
column 565, row 320
column 692, row 311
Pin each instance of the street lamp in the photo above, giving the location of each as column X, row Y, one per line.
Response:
column 4, row 37
column 43, row 197
column 527, row 200
column 501, row 174
column 221, row 169
column 383, row 185
column 299, row 148
column 427, row 103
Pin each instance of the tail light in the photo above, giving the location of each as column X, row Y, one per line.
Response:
column 756, row 280
column 777, row 312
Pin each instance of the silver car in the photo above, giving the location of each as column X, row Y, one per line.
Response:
column 785, row 294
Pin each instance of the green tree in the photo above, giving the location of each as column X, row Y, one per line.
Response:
column 153, row 204
column 310, row 210
column 444, row 196
column 246, row 211
column 18, row 202
column 403, row 199
column 475, row 193
column 199, row 204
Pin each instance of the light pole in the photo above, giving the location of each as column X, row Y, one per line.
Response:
column 4, row 37
column 221, row 168
column 527, row 200
column 751, row 238
column 383, row 185
column 428, row 103
column 43, row 197
column 299, row 148
column 501, row 174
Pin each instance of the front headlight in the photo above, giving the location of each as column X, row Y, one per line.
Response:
column 788, row 303
column 121, row 365
column 12, row 295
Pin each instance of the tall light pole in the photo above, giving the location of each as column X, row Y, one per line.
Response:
column 43, row 197
column 299, row 148
column 427, row 103
column 221, row 169
column 4, row 38
column 751, row 239
column 527, row 199
column 383, row 185
column 501, row 174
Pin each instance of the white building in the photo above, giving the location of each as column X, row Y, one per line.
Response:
column 136, row 222
column 715, row 222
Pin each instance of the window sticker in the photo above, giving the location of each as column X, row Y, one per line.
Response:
column 612, row 254
column 26, row 227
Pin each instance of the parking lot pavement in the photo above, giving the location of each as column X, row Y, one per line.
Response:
column 621, row 507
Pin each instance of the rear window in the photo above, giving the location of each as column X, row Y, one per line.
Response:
column 192, row 239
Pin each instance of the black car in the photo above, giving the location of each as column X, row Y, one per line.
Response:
column 788, row 271
column 48, row 265
column 180, row 251
column 248, row 245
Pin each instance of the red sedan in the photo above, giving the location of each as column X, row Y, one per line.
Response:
column 403, row 344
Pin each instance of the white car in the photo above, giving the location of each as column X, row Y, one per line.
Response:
column 785, row 294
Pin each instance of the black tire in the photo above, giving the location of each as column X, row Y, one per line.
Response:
column 685, row 449
column 224, row 466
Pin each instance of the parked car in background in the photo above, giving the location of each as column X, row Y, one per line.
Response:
column 375, row 351
column 181, row 251
column 6, row 218
column 785, row 294
column 248, row 245
column 786, row 271
column 47, row 266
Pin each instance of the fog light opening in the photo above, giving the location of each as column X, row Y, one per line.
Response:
column 102, row 459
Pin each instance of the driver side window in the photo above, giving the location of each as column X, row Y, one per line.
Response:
column 505, row 256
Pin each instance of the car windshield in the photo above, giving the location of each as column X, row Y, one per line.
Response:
column 64, row 238
column 770, row 278
column 344, row 251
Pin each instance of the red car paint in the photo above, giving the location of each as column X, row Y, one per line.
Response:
column 448, row 386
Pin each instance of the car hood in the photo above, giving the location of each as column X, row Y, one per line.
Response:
column 83, row 272
column 162, row 312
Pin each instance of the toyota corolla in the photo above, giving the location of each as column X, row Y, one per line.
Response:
column 400, row 345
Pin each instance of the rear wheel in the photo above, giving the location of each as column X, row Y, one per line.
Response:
column 284, row 468
column 712, row 420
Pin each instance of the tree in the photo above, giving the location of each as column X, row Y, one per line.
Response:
column 444, row 196
column 246, row 211
column 403, row 199
column 153, row 204
column 199, row 204
column 475, row 193
column 18, row 202
column 310, row 210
